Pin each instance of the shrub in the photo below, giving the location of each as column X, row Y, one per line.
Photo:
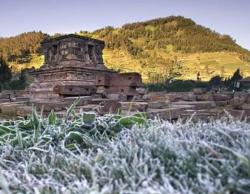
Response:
column 177, row 86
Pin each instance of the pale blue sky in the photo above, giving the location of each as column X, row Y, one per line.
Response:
column 66, row 16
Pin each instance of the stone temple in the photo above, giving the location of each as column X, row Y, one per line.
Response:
column 74, row 67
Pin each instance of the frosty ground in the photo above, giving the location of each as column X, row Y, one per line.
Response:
column 108, row 154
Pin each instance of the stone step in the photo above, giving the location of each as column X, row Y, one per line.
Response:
column 134, row 106
column 98, row 100
column 48, row 106
column 165, row 114
column 87, row 108
column 158, row 104
column 197, row 104
column 12, row 110
column 83, row 100
column 3, row 100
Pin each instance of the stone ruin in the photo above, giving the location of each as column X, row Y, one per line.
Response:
column 74, row 67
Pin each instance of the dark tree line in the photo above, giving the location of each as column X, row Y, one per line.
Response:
column 5, row 73
column 215, row 83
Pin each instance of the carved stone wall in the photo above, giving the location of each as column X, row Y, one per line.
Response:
column 73, row 48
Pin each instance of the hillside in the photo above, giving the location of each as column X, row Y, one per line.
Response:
column 154, row 48
column 22, row 51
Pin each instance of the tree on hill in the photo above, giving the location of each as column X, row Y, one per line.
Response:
column 5, row 73
column 233, row 81
column 236, row 76
column 19, row 84
column 215, row 82
column 175, row 69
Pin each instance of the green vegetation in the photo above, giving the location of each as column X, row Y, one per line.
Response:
column 5, row 73
column 171, row 33
column 85, row 153
column 216, row 83
column 153, row 48
column 177, row 86
column 18, row 84
column 5, row 78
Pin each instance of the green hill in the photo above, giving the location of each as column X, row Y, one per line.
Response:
column 156, row 49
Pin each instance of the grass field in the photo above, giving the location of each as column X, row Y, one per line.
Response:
column 208, row 64
column 113, row 154
column 33, row 61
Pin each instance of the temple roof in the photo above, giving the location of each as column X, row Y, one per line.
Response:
column 71, row 36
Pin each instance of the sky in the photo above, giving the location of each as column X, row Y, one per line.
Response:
column 230, row 17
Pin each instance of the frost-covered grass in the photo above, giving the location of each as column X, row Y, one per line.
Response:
column 113, row 154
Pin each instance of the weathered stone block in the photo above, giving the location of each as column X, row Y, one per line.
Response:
column 154, row 96
column 109, row 106
column 97, row 101
column 134, row 106
column 51, row 105
column 75, row 90
column 199, row 91
column 237, row 102
column 245, row 106
column 222, row 97
column 197, row 105
column 165, row 114
column 158, row 104
column 23, row 111
column 181, row 96
column 89, row 107
column 248, row 98
column 141, row 91
column 204, row 97
column 119, row 97
column 240, row 114
column 83, row 100
column 197, row 115
column 221, row 103
column 22, row 99
column 4, row 100
column 9, row 109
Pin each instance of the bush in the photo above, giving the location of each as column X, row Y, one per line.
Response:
column 17, row 85
column 5, row 73
column 177, row 86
